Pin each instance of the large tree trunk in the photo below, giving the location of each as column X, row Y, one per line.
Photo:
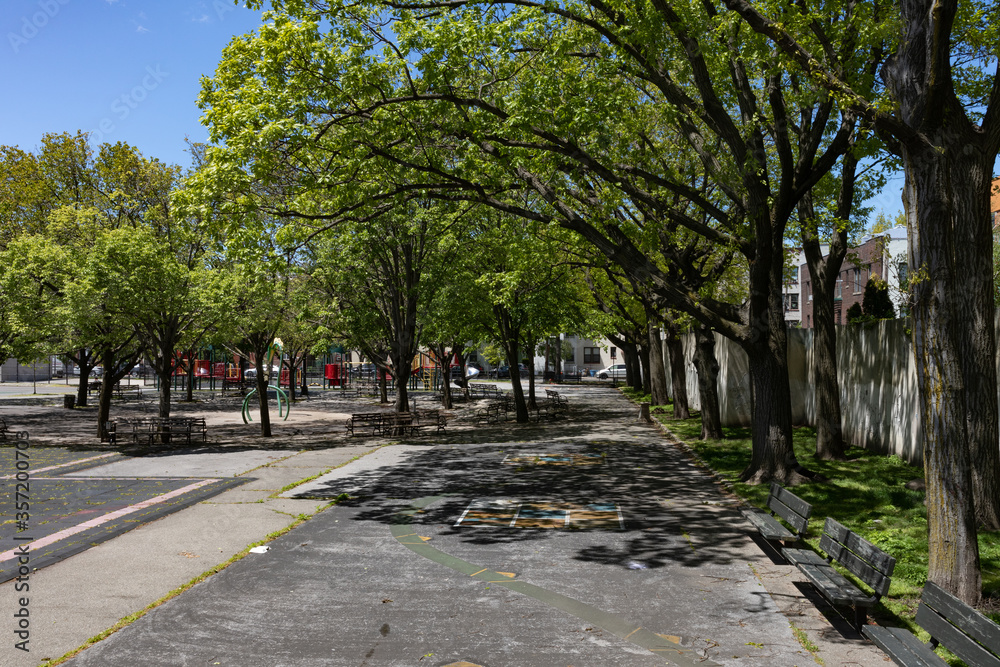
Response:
column 829, row 434
column 823, row 273
column 402, row 377
column 644, row 363
column 84, row 361
column 520, row 404
column 532, row 401
column 974, row 298
column 441, row 357
column 164, row 375
column 940, row 321
column 633, row 365
column 708, row 388
column 657, row 370
column 948, row 163
column 383, row 392
column 678, row 374
column 104, row 399
column 773, row 459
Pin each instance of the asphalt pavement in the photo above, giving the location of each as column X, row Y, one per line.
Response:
column 588, row 541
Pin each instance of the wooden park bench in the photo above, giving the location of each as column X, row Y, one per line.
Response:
column 481, row 390
column 153, row 430
column 431, row 419
column 858, row 556
column 127, row 392
column 364, row 423
column 398, row 424
column 493, row 413
column 784, row 505
column 961, row 629
column 555, row 398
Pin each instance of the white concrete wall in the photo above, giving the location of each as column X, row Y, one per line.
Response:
column 878, row 389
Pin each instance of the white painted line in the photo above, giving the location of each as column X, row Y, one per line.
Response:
column 79, row 528
column 62, row 465
column 516, row 514
column 457, row 523
column 621, row 517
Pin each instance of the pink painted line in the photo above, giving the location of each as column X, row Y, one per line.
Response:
column 61, row 465
column 80, row 527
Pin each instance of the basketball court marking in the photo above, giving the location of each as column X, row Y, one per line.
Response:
column 97, row 521
column 513, row 514
column 64, row 465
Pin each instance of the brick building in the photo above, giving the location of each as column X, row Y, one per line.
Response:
column 882, row 255
column 995, row 204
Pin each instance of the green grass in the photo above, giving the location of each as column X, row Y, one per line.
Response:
column 866, row 493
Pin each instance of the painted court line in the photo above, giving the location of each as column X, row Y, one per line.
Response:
column 63, row 465
column 93, row 523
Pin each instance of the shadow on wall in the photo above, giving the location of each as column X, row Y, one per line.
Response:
column 878, row 385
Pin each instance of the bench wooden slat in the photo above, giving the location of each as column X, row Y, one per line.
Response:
column 861, row 558
column 768, row 526
column 903, row 647
column 858, row 556
column 834, row 586
column 790, row 500
column 880, row 560
column 789, row 507
column 978, row 626
column 939, row 614
column 784, row 505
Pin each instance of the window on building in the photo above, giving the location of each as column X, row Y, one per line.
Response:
column 591, row 355
column 858, row 285
column 902, row 273
column 791, row 301
column 838, row 291
column 569, row 356
column 795, row 301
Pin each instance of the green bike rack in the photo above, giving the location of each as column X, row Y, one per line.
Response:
column 280, row 393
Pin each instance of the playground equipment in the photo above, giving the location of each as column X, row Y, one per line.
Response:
column 278, row 392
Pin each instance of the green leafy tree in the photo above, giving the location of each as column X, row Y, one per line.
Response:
column 939, row 110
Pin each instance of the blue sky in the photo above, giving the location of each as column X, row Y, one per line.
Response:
column 129, row 70
column 124, row 70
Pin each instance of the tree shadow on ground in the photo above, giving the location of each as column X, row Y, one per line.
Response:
column 672, row 509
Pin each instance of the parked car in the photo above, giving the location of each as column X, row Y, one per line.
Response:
column 616, row 371
column 504, row 371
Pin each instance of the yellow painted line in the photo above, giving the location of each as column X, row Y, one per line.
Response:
column 508, row 574
column 632, row 633
column 407, row 535
column 480, row 572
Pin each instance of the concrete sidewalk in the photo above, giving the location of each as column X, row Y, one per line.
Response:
column 587, row 541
